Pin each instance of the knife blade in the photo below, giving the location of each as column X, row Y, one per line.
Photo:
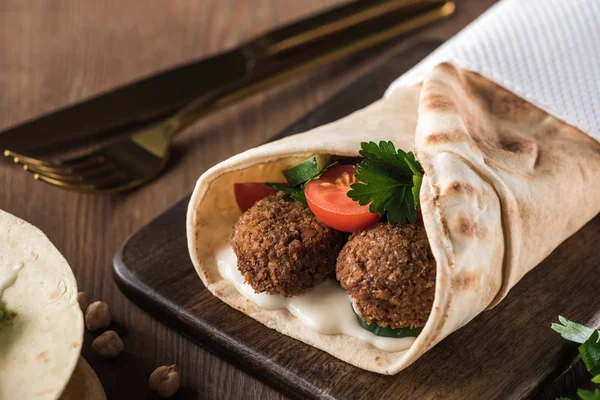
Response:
column 143, row 102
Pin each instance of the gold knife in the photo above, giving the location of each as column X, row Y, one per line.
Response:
column 231, row 76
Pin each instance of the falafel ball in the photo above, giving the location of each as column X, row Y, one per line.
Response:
column 282, row 248
column 389, row 271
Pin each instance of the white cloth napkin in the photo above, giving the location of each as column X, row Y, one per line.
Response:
column 545, row 51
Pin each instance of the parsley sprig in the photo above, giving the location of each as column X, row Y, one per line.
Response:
column 389, row 181
column 589, row 351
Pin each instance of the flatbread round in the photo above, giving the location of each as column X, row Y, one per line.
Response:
column 42, row 331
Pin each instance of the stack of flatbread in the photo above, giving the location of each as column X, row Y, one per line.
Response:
column 41, row 329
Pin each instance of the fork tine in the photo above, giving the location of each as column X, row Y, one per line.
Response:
column 63, row 165
column 104, row 183
column 105, row 169
column 115, row 168
column 67, row 174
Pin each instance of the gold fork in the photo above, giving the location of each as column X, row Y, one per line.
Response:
column 120, row 166
column 143, row 155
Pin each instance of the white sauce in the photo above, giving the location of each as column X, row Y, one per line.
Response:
column 7, row 279
column 325, row 309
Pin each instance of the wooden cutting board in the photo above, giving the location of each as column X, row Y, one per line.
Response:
column 507, row 352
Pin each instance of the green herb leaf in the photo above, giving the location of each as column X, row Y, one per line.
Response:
column 415, row 167
column 572, row 331
column 300, row 196
column 588, row 394
column 589, row 350
column 563, row 398
column 390, row 182
column 590, row 353
column 387, row 332
column 386, row 156
column 416, row 190
column 282, row 188
column 296, row 193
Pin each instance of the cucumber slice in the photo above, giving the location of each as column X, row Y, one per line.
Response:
column 387, row 332
column 306, row 170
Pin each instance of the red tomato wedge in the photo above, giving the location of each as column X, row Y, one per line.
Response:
column 247, row 194
column 327, row 199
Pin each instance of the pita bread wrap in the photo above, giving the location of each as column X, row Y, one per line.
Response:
column 505, row 183
column 41, row 332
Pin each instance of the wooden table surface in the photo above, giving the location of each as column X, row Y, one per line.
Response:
column 54, row 53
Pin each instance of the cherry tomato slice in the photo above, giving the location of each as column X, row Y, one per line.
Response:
column 247, row 194
column 327, row 199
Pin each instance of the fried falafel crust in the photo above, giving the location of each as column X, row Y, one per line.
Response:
column 389, row 270
column 282, row 248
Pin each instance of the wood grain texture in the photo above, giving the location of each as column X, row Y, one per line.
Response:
column 54, row 53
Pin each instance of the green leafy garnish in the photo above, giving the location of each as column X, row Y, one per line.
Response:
column 589, row 350
column 299, row 175
column 588, row 394
column 296, row 193
column 299, row 196
column 572, row 331
column 590, row 353
column 386, row 331
column 389, row 182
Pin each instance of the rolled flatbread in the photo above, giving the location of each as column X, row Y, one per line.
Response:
column 41, row 330
column 505, row 183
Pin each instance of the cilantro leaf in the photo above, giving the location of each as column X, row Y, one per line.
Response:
column 389, row 182
column 572, row 331
column 596, row 379
column 590, row 353
column 588, row 394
